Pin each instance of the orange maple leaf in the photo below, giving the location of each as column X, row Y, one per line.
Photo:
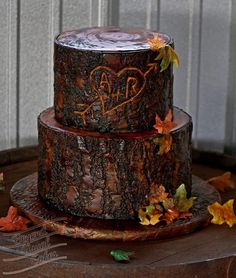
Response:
column 13, row 222
column 164, row 127
column 156, row 43
column 223, row 213
column 222, row 182
column 170, row 215
column 157, row 194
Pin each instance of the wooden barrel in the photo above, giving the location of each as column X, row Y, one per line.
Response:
column 209, row 252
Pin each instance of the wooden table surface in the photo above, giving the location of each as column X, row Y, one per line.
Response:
column 209, row 252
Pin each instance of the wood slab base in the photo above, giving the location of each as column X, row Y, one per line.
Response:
column 24, row 196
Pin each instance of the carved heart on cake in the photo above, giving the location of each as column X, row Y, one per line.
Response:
column 116, row 89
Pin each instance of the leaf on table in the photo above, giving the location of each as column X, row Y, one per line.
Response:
column 222, row 182
column 2, row 185
column 183, row 204
column 13, row 221
column 120, row 255
column 164, row 127
column 223, row 213
column 164, row 142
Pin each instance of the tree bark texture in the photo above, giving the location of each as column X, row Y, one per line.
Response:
column 87, row 173
column 108, row 80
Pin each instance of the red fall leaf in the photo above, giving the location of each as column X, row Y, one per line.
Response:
column 13, row 222
column 164, row 127
column 222, row 182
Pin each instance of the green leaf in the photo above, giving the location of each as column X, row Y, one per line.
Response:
column 183, row 204
column 120, row 255
column 150, row 210
column 167, row 55
column 165, row 61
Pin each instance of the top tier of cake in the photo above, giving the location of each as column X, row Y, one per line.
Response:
column 107, row 80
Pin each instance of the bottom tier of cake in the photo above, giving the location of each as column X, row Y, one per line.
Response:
column 110, row 175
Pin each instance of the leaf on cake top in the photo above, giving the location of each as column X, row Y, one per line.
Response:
column 222, row 182
column 13, row 222
column 223, row 213
column 156, row 43
column 183, row 204
column 164, row 127
column 166, row 53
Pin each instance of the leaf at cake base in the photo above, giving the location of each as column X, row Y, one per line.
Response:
column 183, row 204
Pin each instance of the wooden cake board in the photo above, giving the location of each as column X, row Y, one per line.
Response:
column 24, row 196
column 208, row 252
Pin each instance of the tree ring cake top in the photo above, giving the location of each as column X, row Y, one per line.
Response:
column 109, row 39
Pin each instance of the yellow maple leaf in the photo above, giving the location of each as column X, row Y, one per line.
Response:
column 155, row 219
column 164, row 142
column 149, row 215
column 156, row 43
column 143, row 217
column 223, row 213
column 173, row 56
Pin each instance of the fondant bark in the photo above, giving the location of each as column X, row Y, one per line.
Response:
column 109, row 91
column 108, row 175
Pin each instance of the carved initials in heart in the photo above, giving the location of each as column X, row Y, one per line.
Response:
column 116, row 89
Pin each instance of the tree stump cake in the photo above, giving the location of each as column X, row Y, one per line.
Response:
column 98, row 151
column 113, row 138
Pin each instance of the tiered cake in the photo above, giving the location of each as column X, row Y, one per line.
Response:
column 99, row 153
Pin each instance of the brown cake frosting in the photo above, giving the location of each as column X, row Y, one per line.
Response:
column 106, row 80
column 108, row 176
column 99, row 154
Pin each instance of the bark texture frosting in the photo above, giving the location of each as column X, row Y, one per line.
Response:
column 107, row 80
column 87, row 173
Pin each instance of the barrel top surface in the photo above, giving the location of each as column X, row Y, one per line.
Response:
column 109, row 39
